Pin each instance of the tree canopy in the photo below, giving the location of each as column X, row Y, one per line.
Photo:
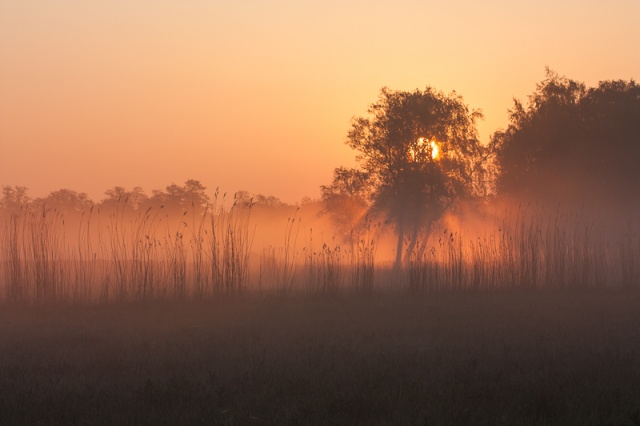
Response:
column 192, row 195
column 13, row 198
column 572, row 143
column 118, row 195
column 419, row 152
column 66, row 200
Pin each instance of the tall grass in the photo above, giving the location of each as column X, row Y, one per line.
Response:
column 84, row 260
column 531, row 249
column 230, row 245
column 333, row 267
column 36, row 267
column 131, row 256
column 320, row 265
column 207, row 252
column 279, row 265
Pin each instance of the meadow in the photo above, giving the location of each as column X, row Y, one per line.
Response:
column 529, row 319
column 513, row 357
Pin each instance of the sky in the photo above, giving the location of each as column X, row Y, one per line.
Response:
column 259, row 95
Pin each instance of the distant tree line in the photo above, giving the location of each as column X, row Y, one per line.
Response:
column 174, row 199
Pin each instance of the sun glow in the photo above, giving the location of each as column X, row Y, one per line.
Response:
column 420, row 148
column 435, row 151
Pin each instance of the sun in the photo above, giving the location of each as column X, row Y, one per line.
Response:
column 435, row 151
column 433, row 147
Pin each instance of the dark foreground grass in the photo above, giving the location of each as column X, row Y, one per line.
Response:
column 494, row 358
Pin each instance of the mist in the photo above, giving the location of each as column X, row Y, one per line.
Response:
column 437, row 280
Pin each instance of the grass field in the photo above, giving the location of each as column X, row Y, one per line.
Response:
column 535, row 320
column 510, row 357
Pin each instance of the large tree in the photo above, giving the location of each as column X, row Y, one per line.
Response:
column 419, row 152
column 572, row 143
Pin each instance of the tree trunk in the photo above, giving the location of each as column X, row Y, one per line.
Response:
column 399, row 248
column 412, row 244
column 414, row 241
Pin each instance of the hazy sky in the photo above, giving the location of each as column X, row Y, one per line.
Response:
column 257, row 94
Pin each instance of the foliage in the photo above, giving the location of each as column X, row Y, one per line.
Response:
column 136, row 198
column 346, row 201
column 572, row 142
column 66, row 200
column 13, row 198
column 419, row 152
column 269, row 201
column 182, row 198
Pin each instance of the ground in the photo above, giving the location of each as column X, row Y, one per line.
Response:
column 486, row 358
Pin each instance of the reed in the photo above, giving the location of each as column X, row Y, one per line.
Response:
column 532, row 249
column 279, row 265
column 230, row 246
column 207, row 252
column 35, row 256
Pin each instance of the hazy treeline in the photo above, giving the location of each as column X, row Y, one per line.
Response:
column 572, row 144
column 174, row 243
column 174, row 198
column 550, row 202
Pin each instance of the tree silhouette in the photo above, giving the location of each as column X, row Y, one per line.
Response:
column 180, row 199
column 66, row 200
column 117, row 197
column 346, row 201
column 13, row 198
column 572, row 143
column 420, row 153
column 268, row 201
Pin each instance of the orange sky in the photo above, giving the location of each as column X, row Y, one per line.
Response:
column 258, row 95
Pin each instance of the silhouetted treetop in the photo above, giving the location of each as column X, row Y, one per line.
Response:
column 346, row 200
column 181, row 198
column 118, row 197
column 572, row 142
column 270, row 201
column 259, row 201
column 420, row 152
column 66, row 200
column 13, row 198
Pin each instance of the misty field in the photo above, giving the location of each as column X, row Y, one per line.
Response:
column 133, row 255
column 530, row 317
column 510, row 357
